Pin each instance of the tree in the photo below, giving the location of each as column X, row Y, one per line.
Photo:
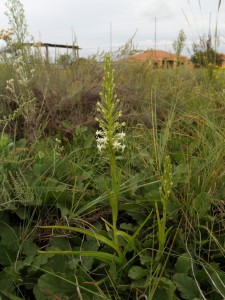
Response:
column 17, row 21
column 178, row 45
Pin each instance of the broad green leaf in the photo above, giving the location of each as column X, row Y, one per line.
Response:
column 73, row 263
column 113, row 272
column 8, row 237
column 22, row 213
column 58, row 264
column 168, row 287
column 137, row 273
column 163, row 294
column 8, row 279
column 4, row 140
column 29, row 248
column 58, row 286
column 219, row 282
column 7, row 257
column 60, row 243
column 181, row 174
column 146, row 259
column 186, row 285
column 183, row 264
column 9, row 244
column 41, row 260
column 201, row 205
column 40, row 295
column 89, row 245
column 64, row 287
column 63, row 209
column 6, row 282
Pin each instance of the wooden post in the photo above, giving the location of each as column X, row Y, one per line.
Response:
column 47, row 54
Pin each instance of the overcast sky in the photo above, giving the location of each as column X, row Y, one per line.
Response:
column 55, row 21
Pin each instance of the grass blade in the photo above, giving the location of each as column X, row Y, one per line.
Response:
column 103, row 256
column 95, row 235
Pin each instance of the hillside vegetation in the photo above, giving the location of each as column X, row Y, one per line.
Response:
column 141, row 219
column 112, row 175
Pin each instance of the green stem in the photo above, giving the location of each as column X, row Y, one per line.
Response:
column 113, row 167
column 114, row 194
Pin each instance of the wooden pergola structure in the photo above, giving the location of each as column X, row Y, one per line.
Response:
column 48, row 45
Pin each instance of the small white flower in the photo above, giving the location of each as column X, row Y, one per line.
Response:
column 102, row 140
column 109, row 136
column 117, row 145
column 57, row 141
column 99, row 132
column 100, row 147
column 10, row 81
column 122, row 147
column 121, row 135
column 19, row 69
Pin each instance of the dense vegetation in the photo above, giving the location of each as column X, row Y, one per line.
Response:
column 167, row 241
column 112, row 181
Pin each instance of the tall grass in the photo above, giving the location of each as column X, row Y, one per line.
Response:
column 56, row 180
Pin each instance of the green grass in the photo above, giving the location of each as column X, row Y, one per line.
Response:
column 60, row 183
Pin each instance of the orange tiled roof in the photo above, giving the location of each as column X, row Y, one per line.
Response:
column 222, row 55
column 156, row 54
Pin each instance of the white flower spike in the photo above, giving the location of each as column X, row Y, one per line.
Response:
column 109, row 136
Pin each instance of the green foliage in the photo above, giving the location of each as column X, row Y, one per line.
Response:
column 17, row 21
column 204, row 54
column 140, row 237
column 187, row 286
column 204, row 58
column 137, row 272
column 64, row 60
column 165, row 191
column 179, row 44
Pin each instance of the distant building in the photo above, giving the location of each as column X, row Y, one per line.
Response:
column 162, row 59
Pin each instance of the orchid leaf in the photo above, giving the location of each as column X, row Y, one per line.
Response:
column 102, row 256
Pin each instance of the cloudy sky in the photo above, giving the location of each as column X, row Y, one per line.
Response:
column 56, row 21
